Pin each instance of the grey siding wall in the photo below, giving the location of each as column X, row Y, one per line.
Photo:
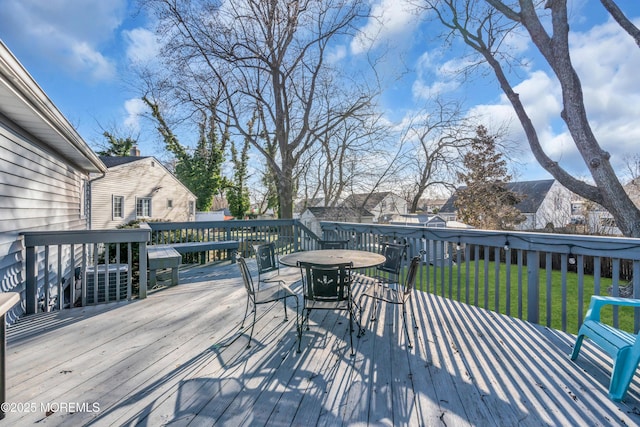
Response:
column 38, row 191
column 143, row 178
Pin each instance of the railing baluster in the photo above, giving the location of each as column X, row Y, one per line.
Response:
column 533, row 286
column 549, row 284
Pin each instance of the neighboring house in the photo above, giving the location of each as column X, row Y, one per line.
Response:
column 591, row 218
column 44, row 169
column 384, row 205
column 303, row 204
column 543, row 202
column 138, row 188
column 312, row 217
column 431, row 205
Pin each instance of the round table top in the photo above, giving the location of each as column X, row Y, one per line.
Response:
column 360, row 259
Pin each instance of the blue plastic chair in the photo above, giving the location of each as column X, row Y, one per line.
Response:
column 622, row 346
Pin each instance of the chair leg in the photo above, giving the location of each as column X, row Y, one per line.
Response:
column 298, row 326
column 406, row 330
column 253, row 324
column 246, row 310
column 284, row 301
column 576, row 347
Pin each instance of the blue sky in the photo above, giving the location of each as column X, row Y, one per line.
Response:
column 80, row 53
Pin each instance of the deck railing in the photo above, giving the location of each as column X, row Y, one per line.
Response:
column 83, row 267
column 543, row 278
column 507, row 271
column 287, row 235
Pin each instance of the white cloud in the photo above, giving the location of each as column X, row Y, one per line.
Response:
column 134, row 107
column 142, row 45
column 390, row 19
column 337, row 54
column 68, row 32
column 607, row 61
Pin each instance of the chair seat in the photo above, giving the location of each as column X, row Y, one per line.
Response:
column 327, row 305
column 386, row 293
column 273, row 293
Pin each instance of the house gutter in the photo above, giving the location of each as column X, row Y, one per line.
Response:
column 25, row 103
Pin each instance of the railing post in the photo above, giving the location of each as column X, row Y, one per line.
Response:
column 533, row 286
column 142, row 292
column 31, row 290
column 296, row 236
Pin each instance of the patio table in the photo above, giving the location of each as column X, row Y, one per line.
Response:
column 360, row 259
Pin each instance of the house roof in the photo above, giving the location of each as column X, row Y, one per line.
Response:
column 365, row 200
column 26, row 104
column 114, row 161
column 533, row 194
column 340, row 212
column 111, row 161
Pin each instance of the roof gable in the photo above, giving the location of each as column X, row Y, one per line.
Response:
column 112, row 161
column 532, row 193
column 365, row 200
column 128, row 161
column 341, row 212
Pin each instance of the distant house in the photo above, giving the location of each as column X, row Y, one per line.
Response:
column 384, row 205
column 138, row 188
column 312, row 217
column 44, row 168
column 303, row 204
column 543, row 202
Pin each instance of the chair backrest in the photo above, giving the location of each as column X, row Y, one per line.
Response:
column 266, row 258
column 410, row 280
column 393, row 253
column 246, row 277
column 333, row 244
column 328, row 283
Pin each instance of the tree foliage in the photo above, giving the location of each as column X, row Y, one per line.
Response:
column 200, row 169
column 118, row 147
column 486, row 202
column 486, row 27
column 237, row 191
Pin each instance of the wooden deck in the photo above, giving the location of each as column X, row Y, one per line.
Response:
column 178, row 358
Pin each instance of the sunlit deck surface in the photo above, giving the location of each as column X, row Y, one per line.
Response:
column 178, row 358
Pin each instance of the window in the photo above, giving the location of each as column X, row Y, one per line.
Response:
column 143, row 207
column 117, row 211
column 169, row 203
column 192, row 207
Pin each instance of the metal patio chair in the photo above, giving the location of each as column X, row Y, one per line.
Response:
column 327, row 287
column 394, row 294
column 272, row 294
column 268, row 264
column 388, row 273
column 333, row 244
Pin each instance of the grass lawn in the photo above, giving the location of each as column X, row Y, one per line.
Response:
column 435, row 275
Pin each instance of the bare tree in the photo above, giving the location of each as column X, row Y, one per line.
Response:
column 342, row 156
column 484, row 26
column 267, row 58
column 438, row 136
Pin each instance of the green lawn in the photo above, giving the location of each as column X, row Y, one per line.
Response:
column 625, row 315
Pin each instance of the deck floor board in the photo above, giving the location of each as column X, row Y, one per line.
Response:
column 180, row 358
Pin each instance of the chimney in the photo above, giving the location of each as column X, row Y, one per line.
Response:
column 135, row 152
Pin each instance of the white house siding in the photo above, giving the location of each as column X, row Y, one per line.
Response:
column 555, row 208
column 388, row 207
column 38, row 191
column 141, row 178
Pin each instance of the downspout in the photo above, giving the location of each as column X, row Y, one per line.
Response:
column 89, row 198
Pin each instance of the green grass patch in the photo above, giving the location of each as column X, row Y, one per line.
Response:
column 482, row 293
